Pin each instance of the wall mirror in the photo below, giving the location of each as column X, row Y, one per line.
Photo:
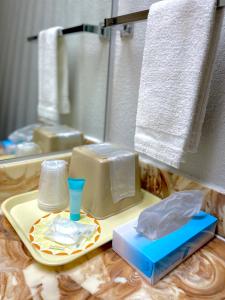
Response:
column 88, row 56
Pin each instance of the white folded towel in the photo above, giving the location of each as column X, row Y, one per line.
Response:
column 180, row 48
column 53, row 76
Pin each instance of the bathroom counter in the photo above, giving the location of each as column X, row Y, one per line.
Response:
column 102, row 274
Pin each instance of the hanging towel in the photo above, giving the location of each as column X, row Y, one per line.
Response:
column 53, row 76
column 180, row 48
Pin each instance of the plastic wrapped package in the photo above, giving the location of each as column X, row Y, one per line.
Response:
column 66, row 232
column 56, row 234
column 27, row 148
column 24, row 134
column 168, row 215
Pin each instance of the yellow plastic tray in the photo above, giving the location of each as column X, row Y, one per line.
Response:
column 22, row 212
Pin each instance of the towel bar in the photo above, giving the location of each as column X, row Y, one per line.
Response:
column 100, row 30
column 104, row 32
column 138, row 16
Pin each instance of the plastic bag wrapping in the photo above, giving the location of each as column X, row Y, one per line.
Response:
column 169, row 214
column 122, row 169
column 66, row 232
column 27, row 148
column 24, row 134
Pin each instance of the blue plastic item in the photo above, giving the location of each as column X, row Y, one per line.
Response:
column 8, row 146
column 7, row 143
column 75, row 190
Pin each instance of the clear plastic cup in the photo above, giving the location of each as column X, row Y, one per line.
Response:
column 53, row 188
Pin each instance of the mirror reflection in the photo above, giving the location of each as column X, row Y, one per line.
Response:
column 53, row 88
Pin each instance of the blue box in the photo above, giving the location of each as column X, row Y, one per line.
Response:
column 154, row 259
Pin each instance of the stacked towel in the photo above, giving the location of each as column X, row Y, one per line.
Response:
column 180, row 49
column 53, row 76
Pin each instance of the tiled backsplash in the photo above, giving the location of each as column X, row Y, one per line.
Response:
column 21, row 177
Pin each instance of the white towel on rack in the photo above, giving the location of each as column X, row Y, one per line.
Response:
column 180, row 48
column 53, row 76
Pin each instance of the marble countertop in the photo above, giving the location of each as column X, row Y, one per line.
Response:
column 102, row 274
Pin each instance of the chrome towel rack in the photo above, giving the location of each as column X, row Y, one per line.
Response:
column 100, row 30
column 103, row 30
